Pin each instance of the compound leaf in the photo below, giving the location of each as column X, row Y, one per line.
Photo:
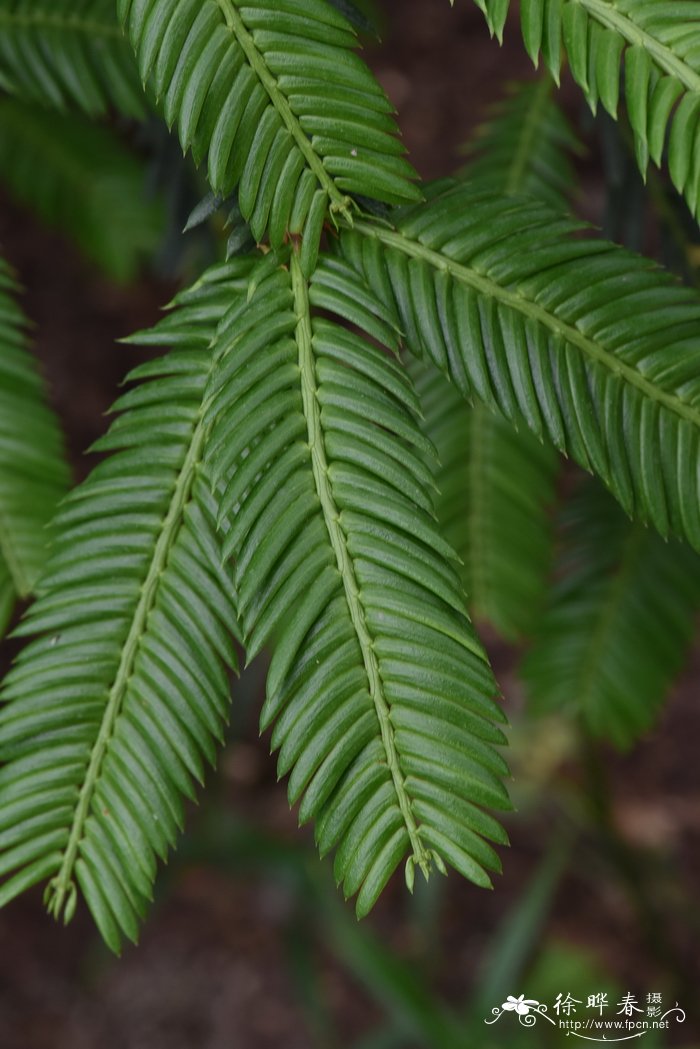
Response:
column 523, row 148
column 33, row 470
column 79, row 178
column 380, row 695
column 619, row 623
column 68, row 54
column 275, row 97
column 591, row 346
column 652, row 45
column 115, row 707
column 496, row 487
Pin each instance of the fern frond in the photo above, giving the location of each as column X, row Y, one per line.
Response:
column 620, row 622
column 79, row 178
column 588, row 344
column 273, row 94
column 495, row 487
column 658, row 45
column 68, row 54
column 380, row 695
column 524, row 146
column 114, row 708
column 33, row 470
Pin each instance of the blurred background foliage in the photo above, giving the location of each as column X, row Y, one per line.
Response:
column 249, row 945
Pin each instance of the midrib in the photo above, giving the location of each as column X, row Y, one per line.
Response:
column 339, row 202
column 343, row 559
column 61, row 886
column 516, row 302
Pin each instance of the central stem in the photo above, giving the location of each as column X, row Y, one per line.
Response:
column 331, row 516
column 61, row 889
column 486, row 285
column 256, row 60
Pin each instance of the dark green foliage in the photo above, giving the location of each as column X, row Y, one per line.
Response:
column 114, row 708
column 619, row 622
column 82, row 180
column 524, row 146
column 592, row 347
column 275, row 467
column 277, row 101
column 68, row 54
column 380, row 695
column 496, row 487
column 33, row 473
column 652, row 46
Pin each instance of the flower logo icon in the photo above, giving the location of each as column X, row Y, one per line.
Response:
column 520, row 1005
column 527, row 1010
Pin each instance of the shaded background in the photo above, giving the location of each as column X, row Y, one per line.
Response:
column 248, row 946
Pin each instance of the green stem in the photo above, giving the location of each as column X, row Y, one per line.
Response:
column 61, row 889
column 514, row 301
column 331, row 517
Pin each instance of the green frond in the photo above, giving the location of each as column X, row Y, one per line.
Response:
column 589, row 345
column 524, row 146
column 620, row 621
column 496, row 485
column 116, row 705
column 79, row 178
column 380, row 695
column 657, row 45
column 495, row 488
column 33, row 471
column 273, row 94
column 68, row 54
